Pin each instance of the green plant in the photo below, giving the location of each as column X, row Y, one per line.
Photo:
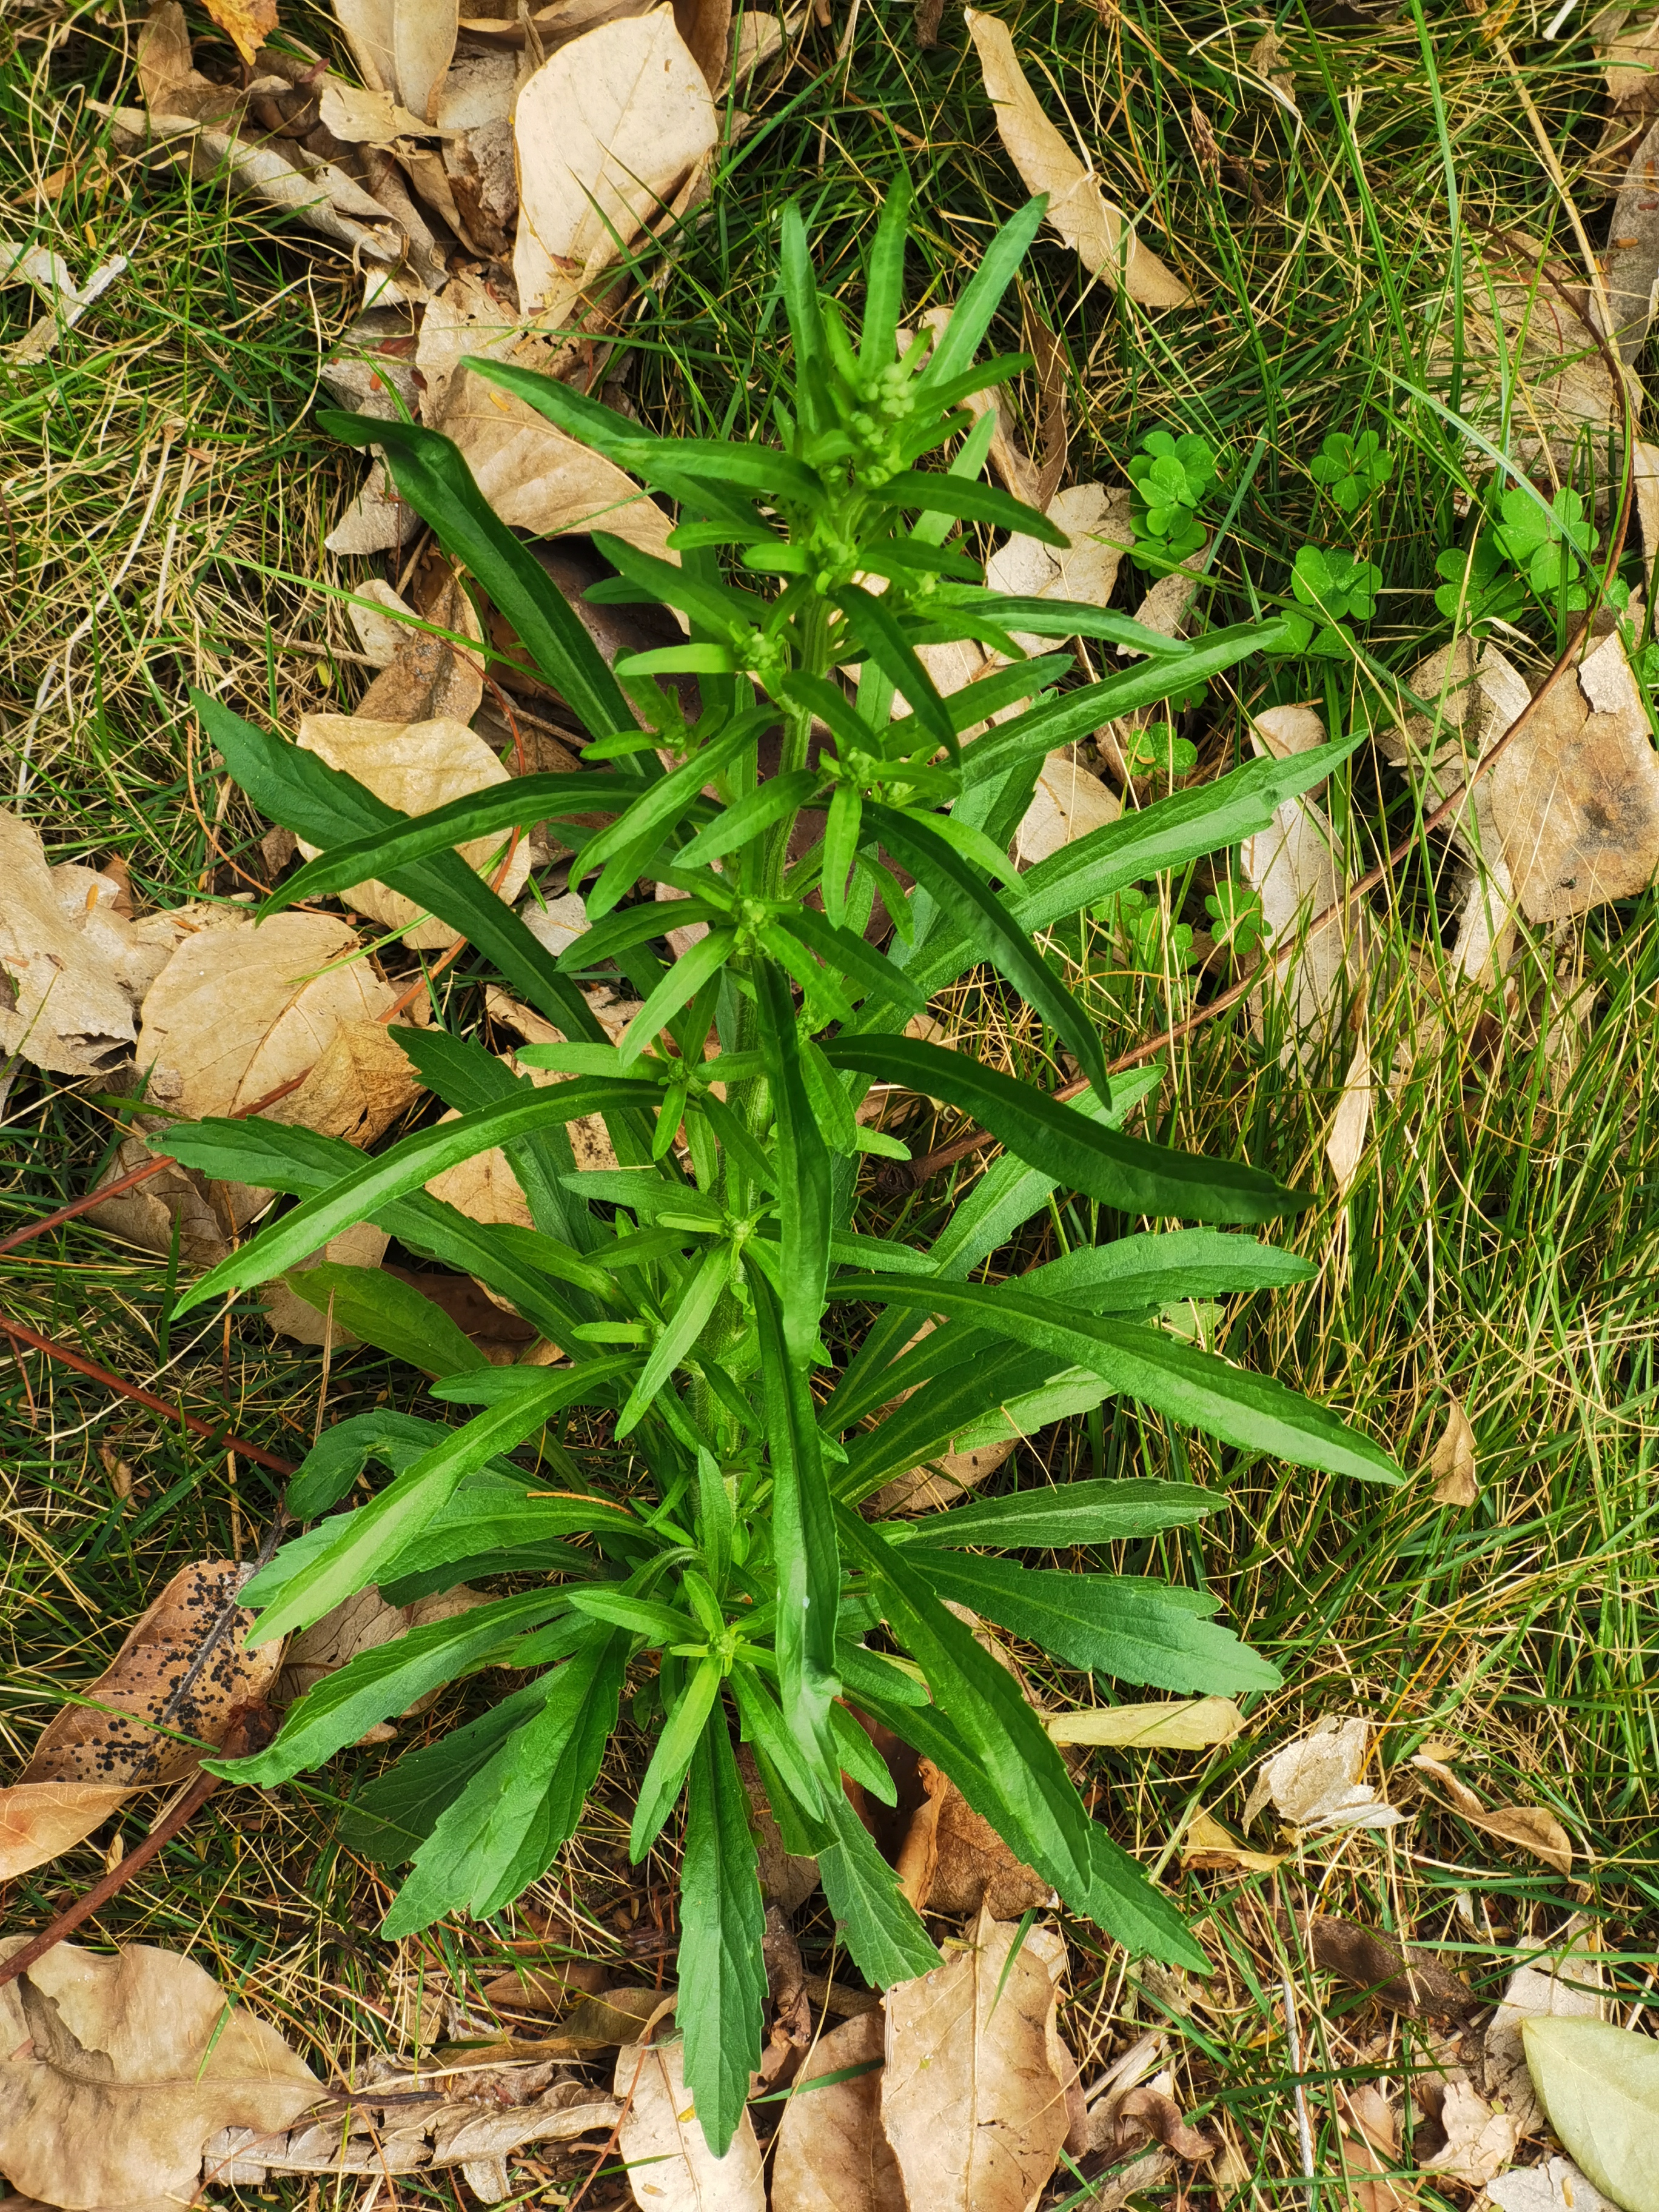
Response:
column 1352, row 469
column 1170, row 476
column 1236, row 917
column 721, row 1563
column 1156, row 747
column 1136, row 920
column 1551, row 545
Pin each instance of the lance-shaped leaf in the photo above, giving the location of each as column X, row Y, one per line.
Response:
column 431, row 473
column 1072, row 1513
column 668, row 1763
column 414, row 1161
column 805, row 1201
column 880, row 1926
column 679, row 1338
column 966, row 500
column 1125, row 1172
column 722, row 1974
column 974, row 908
column 856, row 958
column 668, row 802
column 803, row 1534
column 975, row 311
column 883, row 641
column 1251, row 1410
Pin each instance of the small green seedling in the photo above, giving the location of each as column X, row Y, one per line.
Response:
column 1157, row 749
column 1135, row 919
column 1236, row 918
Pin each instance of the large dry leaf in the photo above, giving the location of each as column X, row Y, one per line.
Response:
column 1553, row 2186
column 1174, row 1724
column 361, row 1082
column 1293, row 867
column 1631, row 267
column 1453, row 1464
column 401, row 47
column 1400, row 1976
column 1315, row 1782
column 415, row 766
column 831, row 2153
column 169, row 82
column 1575, row 799
column 1088, row 222
column 39, row 1819
column 205, row 1216
column 1529, row 1828
column 425, row 677
column 1344, row 1141
column 1567, row 1984
column 669, row 2166
column 1096, row 518
column 182, row 1670
column 1068, row 803
column 119, row 2068
column 239, row 1011
column 969, row 2099
column 73, row 971
column 607, row 132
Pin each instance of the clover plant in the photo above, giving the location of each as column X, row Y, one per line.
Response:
column 743, row 1368
column 1169, row 477
column 1352, row 469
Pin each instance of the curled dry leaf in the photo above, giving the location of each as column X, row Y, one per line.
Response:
column 1172, row 1724
column 425, row 676
column 403, row 47
column 1529, row 1828
column 73, row 970
column 39, row 1819
column 415, row 766
column 1480, row 2143
column 1600, row 2087
column 547, row 1989
column 1371, row 2148
column 1149, row 2111
column 831, row 2154
column 952, row 1860
column 1453, row 1464
column 608, row 132
column 1088, row 222
column 669, row 2166
column 1207, row 1845
column 182, row 1669
column 1315, row 1782
column 969, row 2099
column 121, row 2068
column 1294, row 868
column 248, row 23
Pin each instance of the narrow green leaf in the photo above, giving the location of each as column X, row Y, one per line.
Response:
column 748, row 818
column 722, row 1974
column 805, row 1200
column 389, row 1816
column 388, row 1313
column 859, row 963
column 673, row 1757
column 1072, row 1513
column 880, row 1926
column 803, row 1532
column 666, row 802
column 679, row 1338
column 977, row 309
column 881, row 638
column 965, row 500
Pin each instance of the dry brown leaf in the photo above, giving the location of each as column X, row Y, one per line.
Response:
column 361, row 1082
column 543, row 1989
column 1173, row 1724
column 403, row 47
column 289, row 1315
column 248, row 24
column 1480, row 2143
column 1088, row 222
column 1315, row 1782
column 119, row 2070
column 1096, row 518
column 169, row 83
column 1402, row 1975
column 183, row 1668
column 607, row 131
column 1453, row 1464
column 1069, row 801
column 425, row 677
column 671, row 2167
column 1529, row 1828
column 1150, row 2110
column 39, row 1819
column 1575, row 799
column 361, row 1624
column 706, row 28
column 1554, row 2185
column 969, row 2100
column 953, row 1861
column 831, row 2153
column 415, row 766
column 1566, row 1984
column 1206, row 1844
column 73, row 970
column 205, row 1215
column 1294, row 868
column 358, row 117
column 1462, row 1797
column 1370, row 2148
column 1344, row 1141
column 1632, row 264
column 239, row 1011
column 1528, row 363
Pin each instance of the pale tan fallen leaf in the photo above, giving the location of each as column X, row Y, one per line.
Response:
column 831, row 2153
column 1480, row 2143
column 1265, row 61
column 1631, row 267
column 608, row 130
column 403, row 47
column 1463, row 1799
column 73, row 971
column 1150, row 2110
column 1315, row 1782
column 1554, row 2185
column 1575, row 799
column 1096, row 518
column 1371, row 2148
column 239, row 1011
column 944, row 1481
column 1174, row 1724
column 1344, row 1141
column 120, row 2068
column 1068, row 803
column 204, row 1215
column 669, row 2166
column 953, row 1861
column 359, row 117
column 169, row 83
column 1206, row 1844
column 415, row 766
column 1453, row 1464
column 248, row 23
column 1294, row 869
column 705, row 26
column 1645, row 473
column 182, row 1668
column 1530, row 1828
column 361, row 1082
column 379, row 633
column 1088, row 222
column 428, row 676
column 549, row 1988
column 969, row 2102
column 374, row 519
column 39, row 1819
column 1278, row 731
column 362, row 1245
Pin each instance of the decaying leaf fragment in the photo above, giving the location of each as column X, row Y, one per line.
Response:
column 182, row 1669
column 357, row 1625
column 1088, row 222
column 1402, row 1975
column 118, row 2069
column 1479, row 2142
column 952, row 1860
column 1555, row 2184
column 1315, row 1782
column 969, row 2099
column 1344, row 1141
column 1453, row 1464
column 1171, row 1724
column 1207, row 1844
column 1566, row 1984
column 39, row 1819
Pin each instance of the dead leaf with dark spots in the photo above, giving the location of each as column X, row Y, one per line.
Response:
column 121, row 2068
column 1401, row 1977
column 1453, row 1464
column 182, row 1670
column 831, row 2153
column 969, row 2100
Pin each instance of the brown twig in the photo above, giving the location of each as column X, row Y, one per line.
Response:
column 19, row 1331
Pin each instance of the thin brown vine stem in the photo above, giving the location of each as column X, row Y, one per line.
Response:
column 20, row 1332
